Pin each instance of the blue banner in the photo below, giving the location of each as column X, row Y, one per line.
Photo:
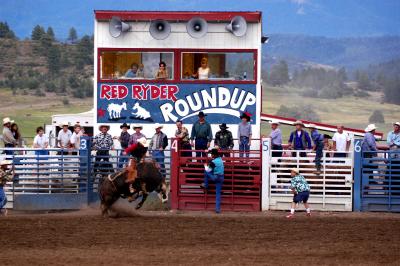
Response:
column 167, row 103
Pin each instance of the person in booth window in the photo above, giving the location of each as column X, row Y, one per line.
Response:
column 204, row 71
column 140, row 71
column 132, row 72
column 162, row 72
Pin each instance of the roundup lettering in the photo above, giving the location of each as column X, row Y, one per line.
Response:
column 219, row 100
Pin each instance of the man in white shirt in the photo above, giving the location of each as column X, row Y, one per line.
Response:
column 75, row 139
column 63, row 139
column 341, row 142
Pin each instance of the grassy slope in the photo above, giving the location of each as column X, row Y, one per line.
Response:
column 350, row 111
column 32, row 111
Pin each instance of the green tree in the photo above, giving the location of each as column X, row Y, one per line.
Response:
column 5, row 31
column 84, row 51
column 53, row 59
column 363, row 81
column 391, row 90
column 50, row 33
column 37, row 33
column 377, row 117
column 279, row 74
column 72, row 35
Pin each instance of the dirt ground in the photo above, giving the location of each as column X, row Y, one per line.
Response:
column 198, row 238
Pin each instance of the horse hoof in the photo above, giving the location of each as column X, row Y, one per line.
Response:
column 138, row 206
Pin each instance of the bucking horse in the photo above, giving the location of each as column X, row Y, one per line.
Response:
column 114, row 186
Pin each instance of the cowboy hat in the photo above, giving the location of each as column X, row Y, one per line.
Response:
column 223, row 126
column 137, row 126
column 107, row 126
column 6, row 162
column 246, row 115
column 312, row 126
column 214, row 151
column 201, row 114
column 370, row 127
column 396, row 124
column 298, row 122
column 157, row 125
column 326, row 136
column 295, row 170
column 7, row 120
column 124, row 125
column 64, row 124
column 276, row 122
column 143, row 141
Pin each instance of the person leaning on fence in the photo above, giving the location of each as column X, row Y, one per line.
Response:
column 124, row 140
column 299, row 139
column 214, row 171
column 369, row 148
column 182, row 134
column 201, row 135
column 63, row 139
column 341, row 142
column 301, row 191
column 102, row 144
column 158, row 143
column 6, row 175
column 137, row 134
column 224, row 140
column 318, row 147
column 244, row 135
column 75, row 140
column 41, row 141
column 393, row 140
column 8, row 138
column 17, row 134
column 276, row 139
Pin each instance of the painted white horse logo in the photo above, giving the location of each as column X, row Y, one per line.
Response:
column 114, row 110
column 140, row 113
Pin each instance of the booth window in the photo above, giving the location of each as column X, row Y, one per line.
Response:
column 218, row 66
column 136, row 65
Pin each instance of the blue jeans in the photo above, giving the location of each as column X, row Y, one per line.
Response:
column 200, row 144
column 3, row 198
column 318, row 153
column 159, row 157
column 218, row 180
column 244, row 146
column 122, row 160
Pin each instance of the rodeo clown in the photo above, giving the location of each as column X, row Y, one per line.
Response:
column 215, row 171
column 5, row 176
column 138, row 151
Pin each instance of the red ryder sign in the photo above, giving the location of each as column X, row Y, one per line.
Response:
column 139, row 92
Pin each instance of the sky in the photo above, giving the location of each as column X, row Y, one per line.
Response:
column 330, row 18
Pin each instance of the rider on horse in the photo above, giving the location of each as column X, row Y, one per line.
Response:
column 138, row 152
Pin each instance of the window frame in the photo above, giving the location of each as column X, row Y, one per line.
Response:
column 177, row 69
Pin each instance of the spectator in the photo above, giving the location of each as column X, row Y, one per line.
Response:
column 41, row 141
column 369, row 143
column 215, row 171
column 133, row 139
column 131, row 73
column 102, row 144
column 244, row 135
column 224, row 140
column 5, row 176
column 162, row 72
column 341, row 142
column 393, row 140
column 299, row 139
column 327, row 145
column 301, row 191
column 75, row 139
column 182, row 134
column 157, row 146
column 276, row 139
column 63, row 139
column 8, row 137
column 17, row 135
column 124, row 140
column 318, row 140
column 201, row 135
column 140, row 71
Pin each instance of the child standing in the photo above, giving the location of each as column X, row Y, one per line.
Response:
column 244, row 134
column 215, row 171
column 301, row 191
column 5, row 176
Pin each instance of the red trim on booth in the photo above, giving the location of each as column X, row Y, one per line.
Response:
column 176, row 15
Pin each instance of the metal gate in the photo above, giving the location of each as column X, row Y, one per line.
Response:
column 241, row 189
column 377, row 177
column 330, row 191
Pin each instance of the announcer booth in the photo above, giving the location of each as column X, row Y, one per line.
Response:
column 160, row 67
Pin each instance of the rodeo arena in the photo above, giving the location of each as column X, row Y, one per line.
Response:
column 170, row 167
